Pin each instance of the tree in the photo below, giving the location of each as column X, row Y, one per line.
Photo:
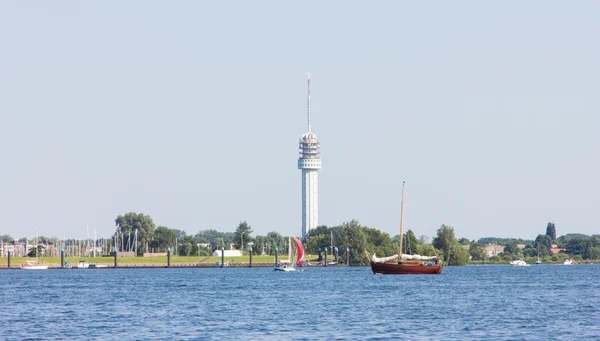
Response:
column 594, row 253
column 319, row 230
column 428, row 250
column 242, row 234
column 163, row 238
column 351, row 236
column 187, row 247
column 458, row 255
column 411, row 244
column 179, row 233
column 5, row 238
column 476, row 251
column 512, row 248
column 543, row 242
column 464, row 241
column 551, row 231
column 317, row 242
column 380, row 243
column 275, row 240
column 40, row 251
column 131, row 222
column 445, row 240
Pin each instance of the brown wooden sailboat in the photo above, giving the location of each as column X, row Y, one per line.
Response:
column 404, row 264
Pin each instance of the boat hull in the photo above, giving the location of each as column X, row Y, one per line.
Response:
column 405, row 269
column 34, row 267
column 278, row 268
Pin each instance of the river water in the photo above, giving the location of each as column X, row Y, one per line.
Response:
column 496, row 302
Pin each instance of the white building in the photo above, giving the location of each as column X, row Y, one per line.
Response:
column 228, row 253
column 310, row 163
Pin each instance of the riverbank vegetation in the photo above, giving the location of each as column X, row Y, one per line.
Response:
column 136, row 233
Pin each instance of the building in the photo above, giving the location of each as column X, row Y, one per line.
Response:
column 493, row 250
column 310, row 163
column 556, row 250
column 228, row 253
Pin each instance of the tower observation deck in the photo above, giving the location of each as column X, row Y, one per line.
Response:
column 310, row 163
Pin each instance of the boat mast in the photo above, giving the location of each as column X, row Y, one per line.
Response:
column 290, row 248
column 401, row 221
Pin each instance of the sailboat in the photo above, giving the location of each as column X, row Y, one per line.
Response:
column 287, row 265
column 538, row 255
column 29, row 265
column 300, row 259
column 405, row 264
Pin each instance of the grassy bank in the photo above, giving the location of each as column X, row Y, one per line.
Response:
column 140, row 260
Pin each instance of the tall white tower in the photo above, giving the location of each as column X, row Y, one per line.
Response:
column 310, row 163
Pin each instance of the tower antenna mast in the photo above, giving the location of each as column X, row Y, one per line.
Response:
column 309, row 102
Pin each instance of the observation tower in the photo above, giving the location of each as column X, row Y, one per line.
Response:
column 310, row 163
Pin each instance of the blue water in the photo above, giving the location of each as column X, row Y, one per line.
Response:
column 496, row 302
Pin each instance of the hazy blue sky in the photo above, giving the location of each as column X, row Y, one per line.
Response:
column 191, row 112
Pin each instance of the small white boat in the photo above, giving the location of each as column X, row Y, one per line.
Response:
column 82, row 265
column 568, row 262
column 518, row 262
column 284, row 265
column 29, row 265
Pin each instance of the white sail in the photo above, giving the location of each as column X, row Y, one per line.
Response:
column 375, row 259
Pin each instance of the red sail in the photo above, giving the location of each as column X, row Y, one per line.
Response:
column 300, row 252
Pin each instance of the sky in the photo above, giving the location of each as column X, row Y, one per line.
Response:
column 191, row 111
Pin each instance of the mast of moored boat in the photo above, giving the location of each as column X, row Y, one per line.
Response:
column 401, row 221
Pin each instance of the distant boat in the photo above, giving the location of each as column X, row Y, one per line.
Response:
column 568, row 262
column 404, row 264
column 284, row 265
column 538, row 255
column 288, row 265
column 518, row 262
column 300, row 259
column 30, row 265
column 82, row 265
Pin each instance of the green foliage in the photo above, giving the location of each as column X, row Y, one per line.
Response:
column 476, row 251
column 428, row 250
column 502, row 241
column 127, row 224
column 512, row 248
column 316, row 242
column 464, row 241
column 594, row 253
column 318, row 231
column 574, row 235
column 179, row 233
column 445, row 240
column 411, row 243
column 275, row 240
column 242, row 235
column 458, row 255
column 163, row 238
column 379, row 242
column 6, row 238
column 543, row 242
column 215, row 238
column 40, row 251
column 187, row 246
column 204, row 252
column 551, row 231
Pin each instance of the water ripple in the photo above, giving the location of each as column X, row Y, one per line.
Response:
column 465, row 303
